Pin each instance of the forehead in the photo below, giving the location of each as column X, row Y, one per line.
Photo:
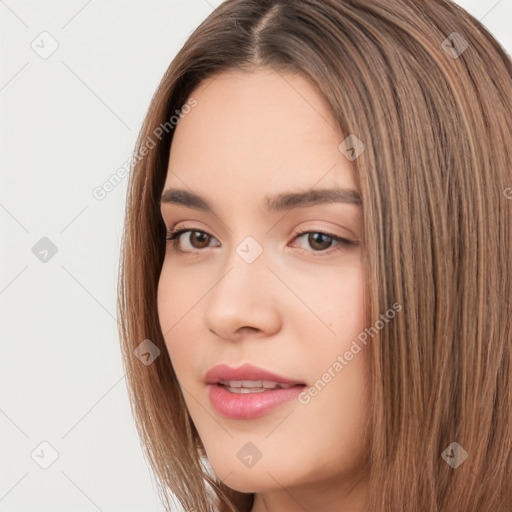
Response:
column 259, row 131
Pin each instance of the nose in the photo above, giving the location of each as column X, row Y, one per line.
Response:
column 244, row 302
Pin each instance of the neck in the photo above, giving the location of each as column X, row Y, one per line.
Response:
column 333, row 495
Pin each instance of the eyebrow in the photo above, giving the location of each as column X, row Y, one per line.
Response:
column 281, row 202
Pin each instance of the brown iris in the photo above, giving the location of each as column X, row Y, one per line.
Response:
column 203, row 239
column 316, row 238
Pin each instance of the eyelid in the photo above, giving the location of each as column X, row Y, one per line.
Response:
column 188, row 227
column 328, row 232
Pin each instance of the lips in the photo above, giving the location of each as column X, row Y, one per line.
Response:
column 247, row 373
column 248, row 392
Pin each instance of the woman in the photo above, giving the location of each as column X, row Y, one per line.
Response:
column 316, row 271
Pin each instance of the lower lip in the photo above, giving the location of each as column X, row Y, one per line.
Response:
column 246, row 406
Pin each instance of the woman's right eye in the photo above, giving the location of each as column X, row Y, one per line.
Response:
column 202, row 240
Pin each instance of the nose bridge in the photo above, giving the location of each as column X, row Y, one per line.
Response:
column 244, row 295
column 245, row 273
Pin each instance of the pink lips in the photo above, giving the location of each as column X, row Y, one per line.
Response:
column 244, row 372
column 248, row 405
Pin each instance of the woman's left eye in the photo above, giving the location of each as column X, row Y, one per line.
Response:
column 320, row 241
column 323, row 241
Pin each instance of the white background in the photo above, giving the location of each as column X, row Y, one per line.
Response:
column 67, row 124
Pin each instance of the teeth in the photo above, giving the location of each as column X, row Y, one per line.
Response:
column 252, row 386
column 246, row 390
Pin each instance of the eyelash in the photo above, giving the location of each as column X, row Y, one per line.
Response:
column 173, row 236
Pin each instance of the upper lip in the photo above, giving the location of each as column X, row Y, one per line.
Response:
column 245, row 372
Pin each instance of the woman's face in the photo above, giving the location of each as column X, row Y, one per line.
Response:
column 242, row 287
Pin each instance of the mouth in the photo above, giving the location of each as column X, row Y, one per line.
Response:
column 248, row 392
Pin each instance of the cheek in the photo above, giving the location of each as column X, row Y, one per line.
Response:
column 346, row 299
column 177, row 294
column 350, row 306
column 337, row 306
column 337, row 359
column 174, row 301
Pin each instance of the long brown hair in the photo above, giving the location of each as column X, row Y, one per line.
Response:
column 428, row 91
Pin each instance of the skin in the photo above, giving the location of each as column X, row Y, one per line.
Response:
column 292, row 311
